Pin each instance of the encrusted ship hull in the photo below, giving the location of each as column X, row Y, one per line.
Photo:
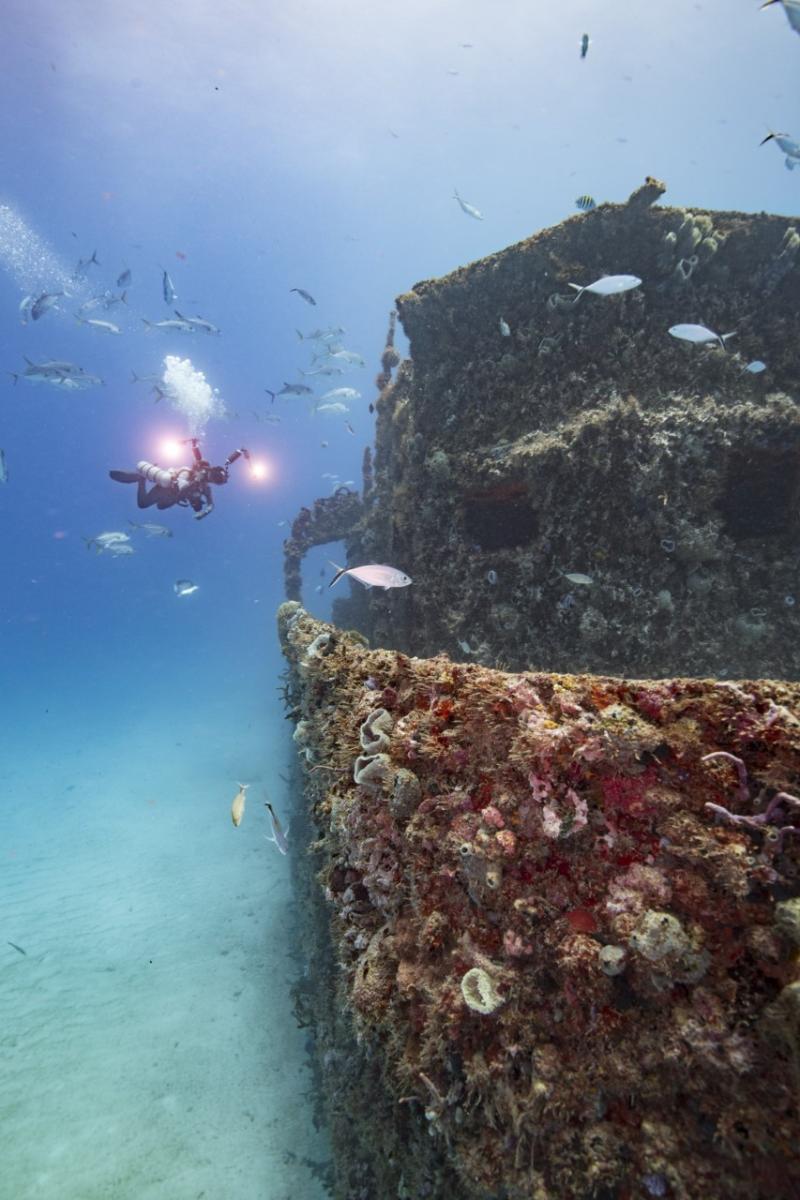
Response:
column 563, row 955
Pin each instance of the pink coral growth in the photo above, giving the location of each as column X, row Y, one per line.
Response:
column 493, row 817
column 507, row 842
column 515, row 946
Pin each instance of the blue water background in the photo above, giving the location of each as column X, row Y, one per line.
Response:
column 274, row 146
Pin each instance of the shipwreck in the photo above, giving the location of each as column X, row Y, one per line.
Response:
column 550, row 791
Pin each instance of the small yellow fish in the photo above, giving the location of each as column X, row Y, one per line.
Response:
column 237, row 808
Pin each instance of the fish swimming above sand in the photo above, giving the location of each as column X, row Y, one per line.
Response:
column 372, row 575
column 608, row 285
column 278, row 836
column 237, row 807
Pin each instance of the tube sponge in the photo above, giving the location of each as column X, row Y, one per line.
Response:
column 479, row 992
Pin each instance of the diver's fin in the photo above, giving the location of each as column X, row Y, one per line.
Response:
column 125, row 476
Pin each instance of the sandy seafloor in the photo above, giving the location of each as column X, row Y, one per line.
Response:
column 148, row 1049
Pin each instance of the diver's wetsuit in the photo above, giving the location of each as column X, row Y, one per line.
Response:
column 188, row 485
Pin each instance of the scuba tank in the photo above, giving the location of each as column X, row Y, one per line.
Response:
column 177, row 477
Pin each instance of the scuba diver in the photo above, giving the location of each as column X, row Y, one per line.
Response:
column 185, row 486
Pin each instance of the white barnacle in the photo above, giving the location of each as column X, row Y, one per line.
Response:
column 479, row 992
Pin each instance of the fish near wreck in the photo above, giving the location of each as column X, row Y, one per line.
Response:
column 278, row 836
column 372, row 575
column 608, row 285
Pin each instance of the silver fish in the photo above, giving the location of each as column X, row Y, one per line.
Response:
column 347, row 356
column 170, row 295
column 323, row 371
column 304, row 295
column 43, row 304
column 469, row 209
column 76, row 383
column 755, row 367
column 3, row 467
column 372, row 575
column 83, row 263
column 100, row 326
column 576, row 577
column 608, row 285
column 118, row 549
column 505, row 328
column 788, row 145
column 278, row 836
column 104, row 541
column 170, row 326
column 199, row 322
column 320, row 335
column 152, row 530
column 335, row 407
column 291, row 389
column 342, row 393
column 184, row 587
column 54, row 367
column 699, row 335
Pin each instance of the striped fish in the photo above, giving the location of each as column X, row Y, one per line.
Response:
column 585, row 203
